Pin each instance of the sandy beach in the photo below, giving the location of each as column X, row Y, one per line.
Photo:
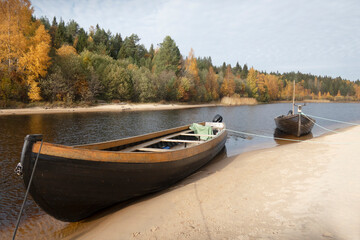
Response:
column 122, row 107
column 307, row 190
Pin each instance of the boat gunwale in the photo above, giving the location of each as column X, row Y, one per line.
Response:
column 94, row 154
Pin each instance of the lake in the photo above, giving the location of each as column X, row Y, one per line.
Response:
column 80, row 128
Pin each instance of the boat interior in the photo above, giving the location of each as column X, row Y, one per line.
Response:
column 170, row 142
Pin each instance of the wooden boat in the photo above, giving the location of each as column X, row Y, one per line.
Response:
column 292, row 124
column 295, row 124
column 71, row 183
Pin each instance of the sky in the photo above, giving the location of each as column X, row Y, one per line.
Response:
column 320, row 37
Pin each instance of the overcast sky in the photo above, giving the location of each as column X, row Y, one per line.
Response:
column 321, row 37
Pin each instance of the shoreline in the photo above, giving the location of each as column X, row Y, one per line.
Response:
column 130, row 107
column 127, row 107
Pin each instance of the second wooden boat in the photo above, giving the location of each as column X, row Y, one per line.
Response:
column 71, row 183
column 295, row 124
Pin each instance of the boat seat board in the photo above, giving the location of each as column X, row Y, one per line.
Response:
column 146, row 144
column 181, row 141
column 153, row 150
column 198, row 135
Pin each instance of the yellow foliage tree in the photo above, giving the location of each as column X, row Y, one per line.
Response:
column 192, row 71
column 66, row 50
column 35, row 61
column 260, row 82
column 24, row 44
column 319, row 95
column 272, row 83
column 287, row 91
column 251, row 82
column 15, row 24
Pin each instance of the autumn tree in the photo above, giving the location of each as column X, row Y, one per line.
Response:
column 212, row 86
column 145, row 86
column 357, row 91
column 272, row 82
column 263, row 94
column 192, row 73
column 66, row 80
column 184, row 86
column 35, row 61
column 228, row 85
column 25, row 45
column 251, row 82
column 15, row 24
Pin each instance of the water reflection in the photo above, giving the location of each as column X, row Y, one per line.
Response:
column 282, row 138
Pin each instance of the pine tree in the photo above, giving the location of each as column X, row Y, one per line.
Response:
column 168, row 57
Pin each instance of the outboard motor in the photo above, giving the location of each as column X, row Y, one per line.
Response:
column 217, row 118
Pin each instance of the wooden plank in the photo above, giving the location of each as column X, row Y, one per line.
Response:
column 197, row 135
column 181, row 141
column 153, row 149
column 146, row 144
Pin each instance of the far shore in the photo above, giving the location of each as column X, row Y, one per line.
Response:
column 113, row 107
column 129, row 107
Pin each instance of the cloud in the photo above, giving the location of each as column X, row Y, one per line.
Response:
column 270, row 35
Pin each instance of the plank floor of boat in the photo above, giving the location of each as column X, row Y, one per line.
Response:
column 144, row 147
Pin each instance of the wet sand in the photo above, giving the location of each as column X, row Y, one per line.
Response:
column 103, row 108
column 307, row 190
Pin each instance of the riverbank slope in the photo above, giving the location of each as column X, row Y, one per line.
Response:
column 307, row 190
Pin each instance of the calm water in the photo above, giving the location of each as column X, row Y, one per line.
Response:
column 80, row 128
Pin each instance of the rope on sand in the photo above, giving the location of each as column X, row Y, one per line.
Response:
column 287, row 139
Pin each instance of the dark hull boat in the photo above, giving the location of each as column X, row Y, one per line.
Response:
column 291, row 124
column 71, row 183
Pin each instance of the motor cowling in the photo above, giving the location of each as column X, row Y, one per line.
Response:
column 217, row 118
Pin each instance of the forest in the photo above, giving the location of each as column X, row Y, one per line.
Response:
column 58, row 62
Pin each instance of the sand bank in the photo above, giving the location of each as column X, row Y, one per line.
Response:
column 302, row 190
column 103, row 108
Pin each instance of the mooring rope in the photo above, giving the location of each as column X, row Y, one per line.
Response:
column 27, row 192
column 332, row 120
column 286, row 139
column 327, row 129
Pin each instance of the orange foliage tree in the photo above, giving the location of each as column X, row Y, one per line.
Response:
column 273, row 84
column 212, row 85
column 24, row 44
column 357, row 91
column 192, row 72
column 228, row 85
